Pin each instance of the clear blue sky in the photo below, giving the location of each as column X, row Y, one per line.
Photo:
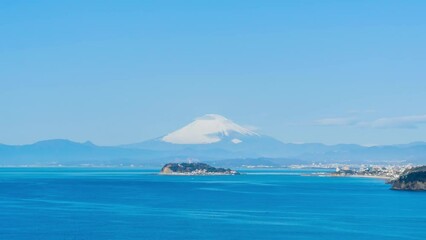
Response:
column 124, row 71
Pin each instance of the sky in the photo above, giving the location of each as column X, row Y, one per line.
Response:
column 117, row 72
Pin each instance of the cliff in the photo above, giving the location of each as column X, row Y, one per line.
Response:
column 413, row 179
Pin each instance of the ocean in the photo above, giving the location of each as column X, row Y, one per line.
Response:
column 110, row 203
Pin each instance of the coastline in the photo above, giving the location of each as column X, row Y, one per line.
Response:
column 377, row 177
column 346, row 176
column 197, row 174
column 362, row 176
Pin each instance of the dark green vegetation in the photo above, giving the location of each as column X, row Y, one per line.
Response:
column 195, row 169
column 413, row 179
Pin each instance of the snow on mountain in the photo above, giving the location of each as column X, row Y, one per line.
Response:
column 213, row 136
column 210, row 128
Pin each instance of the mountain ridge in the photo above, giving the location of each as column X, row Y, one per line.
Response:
column 210, row 138
column 67, row 152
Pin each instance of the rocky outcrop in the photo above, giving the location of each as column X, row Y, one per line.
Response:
column 195, row 169
column 413, row 179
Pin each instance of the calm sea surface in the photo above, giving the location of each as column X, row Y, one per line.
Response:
column 52, row 203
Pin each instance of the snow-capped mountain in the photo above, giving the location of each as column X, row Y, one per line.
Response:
column 210, row 128
column 214, row 135
column 211, row 138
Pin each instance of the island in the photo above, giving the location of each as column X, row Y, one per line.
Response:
column 413, row 179
column 195, row 169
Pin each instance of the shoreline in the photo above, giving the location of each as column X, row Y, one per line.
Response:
column 377, row 177
column 362, row 176
column 197, row 174
column 346, row 176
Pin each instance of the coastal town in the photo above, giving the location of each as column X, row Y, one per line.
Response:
column 376, row 171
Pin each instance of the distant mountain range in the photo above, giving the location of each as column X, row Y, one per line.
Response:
column 211, row 138
column 215, row 133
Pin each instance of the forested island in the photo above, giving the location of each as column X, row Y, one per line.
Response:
column 195, row 169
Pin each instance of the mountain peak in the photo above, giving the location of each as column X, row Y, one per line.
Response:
column 210, row 128
column 215, row 117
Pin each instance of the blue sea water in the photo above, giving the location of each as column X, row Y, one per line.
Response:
column 92, row 204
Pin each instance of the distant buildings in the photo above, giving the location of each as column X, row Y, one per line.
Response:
column 390, row 171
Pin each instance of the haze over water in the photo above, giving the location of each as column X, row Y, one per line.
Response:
column 60, row 203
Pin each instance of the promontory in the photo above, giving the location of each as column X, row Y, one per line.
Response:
column 413, row 179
